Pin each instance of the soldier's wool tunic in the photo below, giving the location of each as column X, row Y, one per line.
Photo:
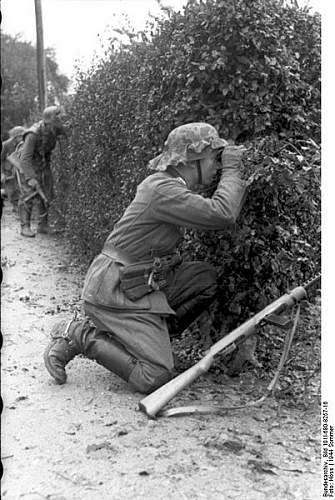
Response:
column 7, row 170
column 153, row 225
column 8, row 147
column 39, row 142
column 138, row 291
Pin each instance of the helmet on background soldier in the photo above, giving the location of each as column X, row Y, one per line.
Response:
column 52, row 114
column 187, row 143
column 16, row 132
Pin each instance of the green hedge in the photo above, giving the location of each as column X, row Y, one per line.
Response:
column 276, row 242
column 250, row 68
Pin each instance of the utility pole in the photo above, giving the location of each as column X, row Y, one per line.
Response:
column 41, row 71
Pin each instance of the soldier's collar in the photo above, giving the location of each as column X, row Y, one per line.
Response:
column 174, row 173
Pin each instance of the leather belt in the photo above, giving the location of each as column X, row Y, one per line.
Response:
column 124, row 257
column 118, row 255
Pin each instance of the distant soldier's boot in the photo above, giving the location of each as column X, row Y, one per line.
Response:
column 26, row 231
column 81, row 337
column 15, row 207
column 15, row 200
column 25, row 216
column 42, row 226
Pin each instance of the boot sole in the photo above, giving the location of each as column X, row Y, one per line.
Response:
column 49, row 367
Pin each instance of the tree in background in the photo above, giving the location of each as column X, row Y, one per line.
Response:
column 19, row 91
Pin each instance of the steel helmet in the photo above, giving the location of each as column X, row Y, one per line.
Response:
column 186, row 143
column 52, row 112
column 16, row 131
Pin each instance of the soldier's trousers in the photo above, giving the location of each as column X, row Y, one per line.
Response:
column 137, row 346
column 26, row 202
column 12, row 191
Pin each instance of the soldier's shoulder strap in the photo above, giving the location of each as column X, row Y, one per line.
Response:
column 35, row 128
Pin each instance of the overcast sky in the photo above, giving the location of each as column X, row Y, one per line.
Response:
column 72, row 27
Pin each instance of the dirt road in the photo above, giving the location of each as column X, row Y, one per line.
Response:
column 87, row 439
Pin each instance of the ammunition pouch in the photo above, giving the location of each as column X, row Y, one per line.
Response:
column 145, row 277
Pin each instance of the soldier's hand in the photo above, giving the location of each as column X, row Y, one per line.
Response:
column 231, row 156
column 33, row 183
column 232, row 161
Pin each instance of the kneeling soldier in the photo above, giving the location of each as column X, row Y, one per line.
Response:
column 138, row 291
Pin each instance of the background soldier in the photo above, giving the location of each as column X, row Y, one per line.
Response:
column 138, row 290
column 8, row 177
column 36, row 175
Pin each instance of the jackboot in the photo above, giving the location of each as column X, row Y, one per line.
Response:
column 15, row 207
column 25, row 216
column 42, row 226
column 82, row 337
column 26, row 231
column 62, row 348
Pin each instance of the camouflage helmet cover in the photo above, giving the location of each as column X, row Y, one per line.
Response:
column 186, row 143
column 16, row 131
